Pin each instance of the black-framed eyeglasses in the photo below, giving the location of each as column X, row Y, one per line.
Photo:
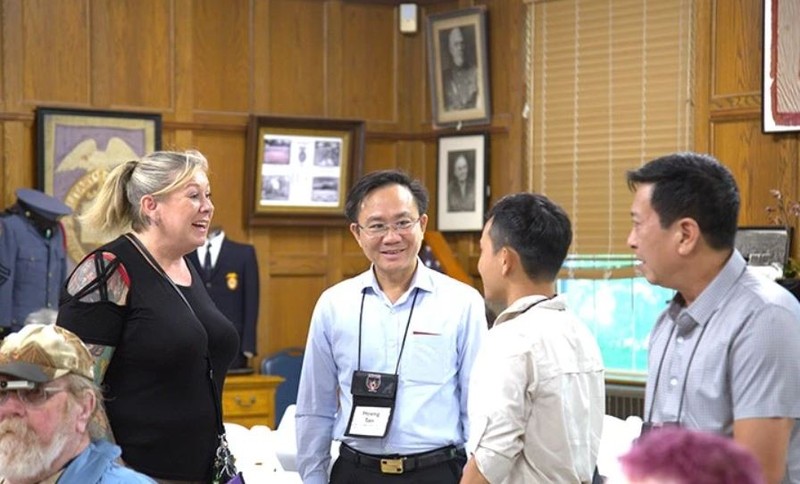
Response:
column 31, row 395
column 379, row 229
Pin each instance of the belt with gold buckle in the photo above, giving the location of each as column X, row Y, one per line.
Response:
column 392, row 466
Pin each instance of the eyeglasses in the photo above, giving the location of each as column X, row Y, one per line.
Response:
column 33, row 396
column 379, row 229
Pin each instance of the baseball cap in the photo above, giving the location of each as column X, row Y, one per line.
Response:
column 43, row 352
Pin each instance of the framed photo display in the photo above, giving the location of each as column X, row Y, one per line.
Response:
column 301, row 169
column 462, row 183
column 76, row 149
column 458, row 68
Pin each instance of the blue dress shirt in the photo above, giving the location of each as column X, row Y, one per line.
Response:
column 446, row 329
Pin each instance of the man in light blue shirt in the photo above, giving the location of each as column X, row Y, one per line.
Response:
column 406, row 336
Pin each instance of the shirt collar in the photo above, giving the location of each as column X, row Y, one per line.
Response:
column 422, row 279
column 522, row 304
column 704, row 307
column 216, row 239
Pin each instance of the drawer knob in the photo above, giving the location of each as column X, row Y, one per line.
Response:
column 241, row 403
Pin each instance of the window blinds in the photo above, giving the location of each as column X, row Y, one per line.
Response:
column 612, row 86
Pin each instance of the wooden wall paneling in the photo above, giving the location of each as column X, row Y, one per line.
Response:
column 701, row 93
column 290, row 62
column 503, row 168
column 737, row 47
column 56, row 53
column 299, row 270
column 101, row 55
column 334, row 57
column 507, row 61
column 334, row 241
column 298, row 240
column 380, row 154
column 728, row 107
column 354, row 264
column 293, row 298
column 172, row 139
column 370, row 64
column 182, row 23
column 221, row 55
column 429, row 153
column 412, row 90
column 136, row 37
column 11, row 90
column 225, row 151
column 17, row 147
column 758, row 162
column 415, row 163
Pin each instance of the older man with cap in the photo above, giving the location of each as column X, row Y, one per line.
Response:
column 33, row 257
column 49, row 410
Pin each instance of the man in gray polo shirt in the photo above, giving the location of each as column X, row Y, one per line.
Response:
column 724, row 356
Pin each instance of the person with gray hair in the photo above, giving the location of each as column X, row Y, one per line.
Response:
column 162, row 347
column 51, row 413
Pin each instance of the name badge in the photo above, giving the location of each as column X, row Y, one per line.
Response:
column 374, row 396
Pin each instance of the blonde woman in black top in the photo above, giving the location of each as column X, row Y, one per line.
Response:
column 157, row 337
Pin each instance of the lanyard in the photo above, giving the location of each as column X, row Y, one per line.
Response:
column 408, row 323
column 685, row 374
column 535, row 304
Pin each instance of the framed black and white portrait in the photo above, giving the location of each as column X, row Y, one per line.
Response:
column 462, row 183
column 458, row 68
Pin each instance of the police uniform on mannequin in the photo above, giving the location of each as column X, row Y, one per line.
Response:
column 33, row 257
column 230, row 274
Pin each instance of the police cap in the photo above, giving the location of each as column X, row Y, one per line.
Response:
column 43, row 204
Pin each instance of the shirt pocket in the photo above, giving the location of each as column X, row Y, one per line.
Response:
column 430, row 359
column 31, row 263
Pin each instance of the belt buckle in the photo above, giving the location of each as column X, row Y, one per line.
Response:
column 392, row 466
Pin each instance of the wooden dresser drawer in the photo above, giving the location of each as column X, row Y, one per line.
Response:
column 245, row 402
column 250, row 399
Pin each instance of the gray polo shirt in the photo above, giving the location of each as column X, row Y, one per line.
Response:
column 733, row 354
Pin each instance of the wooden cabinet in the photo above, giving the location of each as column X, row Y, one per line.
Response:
column 250, row 399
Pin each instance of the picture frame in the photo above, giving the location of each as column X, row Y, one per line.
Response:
column 462, row 182
column 458, row 68
column 764, row 245
column 76, row 149
column 781, row 84
column 301, row 169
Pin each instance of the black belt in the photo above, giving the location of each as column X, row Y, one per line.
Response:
column 399, row 464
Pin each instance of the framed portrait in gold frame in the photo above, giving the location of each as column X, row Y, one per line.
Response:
column 301, row 169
